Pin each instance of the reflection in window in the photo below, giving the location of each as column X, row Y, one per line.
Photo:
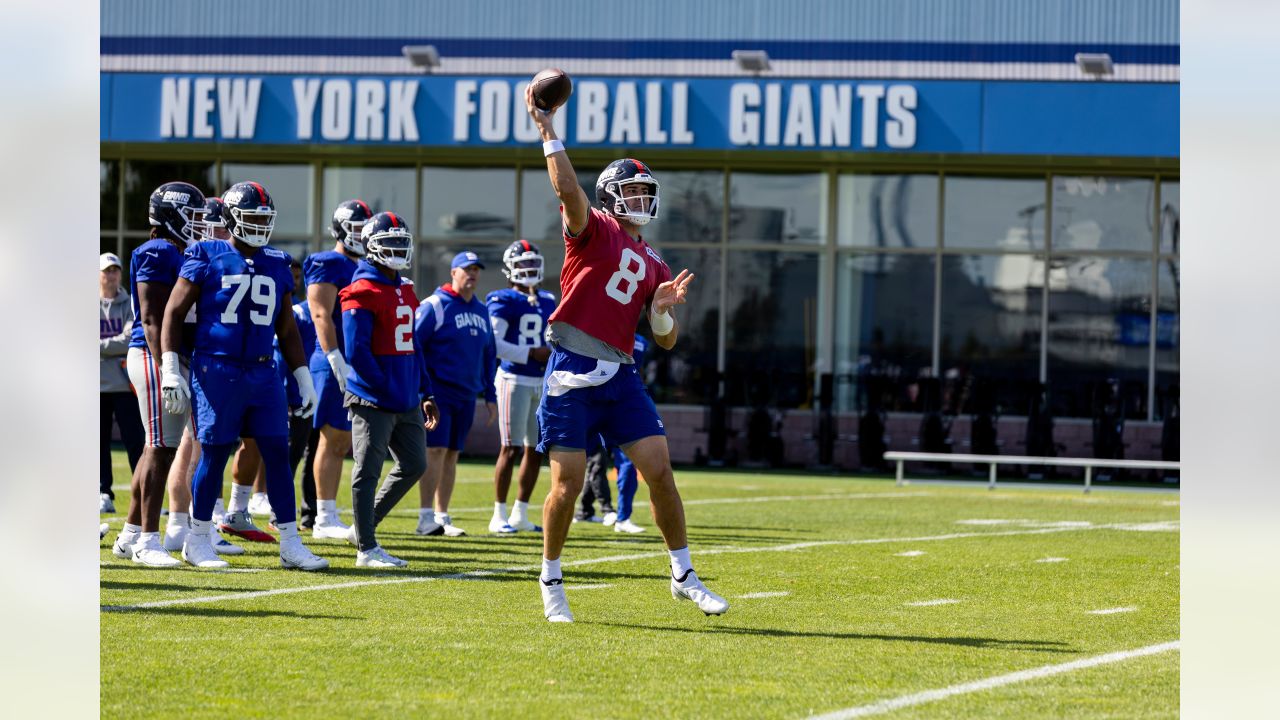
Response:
column 290, row 189
column 691, row 208
column 1169, row 215
column 777, row 208
column 383, row 189
column 108, row 194
column 771, row 328
column 1099, row 329
column 687, row 373
column 141, row 178
column 1102, row 213
column 984, row 213
column 888, row 211
column 884, row 326
column 468, row 202
column 991, row 323
column 1168, row 335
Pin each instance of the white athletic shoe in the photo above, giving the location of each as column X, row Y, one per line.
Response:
column 221, row 546
column 123, row 546
column 152, row 554
column 555, row 606
column 219, row 512
column 427, row 526
column 260, row 505
column 379, row 558
column 523, row 525
column 691, row 588
column 593, row 518
column 626, row 526
column 450, row 530
column 609, row 518
column 198, row 550
column 498, row 526
column 174, row 535
column 105, row 505
column 329, row 527
column 295, row 556
column 103, row 529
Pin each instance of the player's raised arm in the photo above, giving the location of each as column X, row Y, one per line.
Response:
column 663, row 322
column 563, row 179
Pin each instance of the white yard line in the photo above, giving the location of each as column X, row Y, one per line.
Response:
column 1051, row 560
column 909, row 553
column 590, row 561
column 759, row 595
column 1044, row 671
column 716, row 501
column 931, row 603
column 1112, row 611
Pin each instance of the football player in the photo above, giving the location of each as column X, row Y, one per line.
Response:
column 387, row 382
column 518, row 315
column 452, row 328
column 327, row 273
column 610, row 275
column 176, row 212
column 240, row 290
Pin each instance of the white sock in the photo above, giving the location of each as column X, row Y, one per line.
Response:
column 426, row 513
column 287, row 530
column 240, row 495
column 443, row 517
column 200, row 527
column 551, row 569
column 329, row 507
column 680, row 562
column 500, row 510
column 260, row 496
column 522, row 511
column 130, row 529
column 179, row 519
column 148, row 538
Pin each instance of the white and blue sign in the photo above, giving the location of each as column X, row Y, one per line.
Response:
column 978, row 117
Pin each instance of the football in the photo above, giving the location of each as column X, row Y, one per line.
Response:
column 551, row 88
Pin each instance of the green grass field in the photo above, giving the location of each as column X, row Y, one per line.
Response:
column 835, row 584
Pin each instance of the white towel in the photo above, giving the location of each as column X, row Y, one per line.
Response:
column 562, row 381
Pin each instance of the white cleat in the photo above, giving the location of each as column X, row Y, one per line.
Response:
column 152, row 554
column 626, row 526
column 379, row 558
column 329, row 527
column 555, row 606
column 198, row 551
column 691, row 588
column 450, row 530
column 295, row 556
column 428, row 527
column 219, row 512
column 609, row 518
column 174, row 536
column 103, row 529
column 523, row 525
column 105, row 504
column 498, row 526
column 260, row 505
column 123, row 546
column 222, row 547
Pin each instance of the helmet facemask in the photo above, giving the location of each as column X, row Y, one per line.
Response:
column 194, row 229
column 637, row 209
column 348, row 231
column 252, row 227
column 524, row 269
column 392, row 248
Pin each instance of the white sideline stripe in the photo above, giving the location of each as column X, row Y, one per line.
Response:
column 1051, row 560
column 578, row 563
column 909, row 553
column 718, row 501
column 1044, row 671
column 1112, row 611
column 597, row 586
column 756, row 596
column 931, row 603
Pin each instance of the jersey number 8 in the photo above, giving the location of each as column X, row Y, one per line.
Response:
column 626, row 274
column 261, row 289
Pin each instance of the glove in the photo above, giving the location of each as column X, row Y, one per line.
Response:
column 306, row 391
column 173, row 387
column 339, row 366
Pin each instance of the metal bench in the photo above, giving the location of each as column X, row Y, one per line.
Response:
column 901, row 458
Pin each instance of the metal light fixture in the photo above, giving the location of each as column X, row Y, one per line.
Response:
column 755, row 61
column 1095, row 64
column 423, row 56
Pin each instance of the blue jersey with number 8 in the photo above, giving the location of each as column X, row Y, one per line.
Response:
column 240, row 298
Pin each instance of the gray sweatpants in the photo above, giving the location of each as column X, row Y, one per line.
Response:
column 374, row 432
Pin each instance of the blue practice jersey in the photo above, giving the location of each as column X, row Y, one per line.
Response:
column 307, row 331
column 637, row 353
column 155, row 261
column 336, row 269
column 240, row 298
column 518, row 322
column 457, row 343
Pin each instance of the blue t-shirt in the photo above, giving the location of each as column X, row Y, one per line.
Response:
column 336, row 269
column 518, row 321
column 155, row 261
column 240, row 298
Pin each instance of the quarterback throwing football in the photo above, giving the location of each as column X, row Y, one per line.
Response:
column 610, row 275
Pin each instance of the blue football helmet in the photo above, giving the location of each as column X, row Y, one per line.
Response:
column 215, row 219
column 638, row 209
column 522, row 263
column 251, row 214
column 348, row 219
column 178, row 208
column 387, row 241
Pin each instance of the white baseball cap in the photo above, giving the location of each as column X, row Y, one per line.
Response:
column 109, row 260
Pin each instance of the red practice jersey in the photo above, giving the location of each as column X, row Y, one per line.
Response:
column 608, row 280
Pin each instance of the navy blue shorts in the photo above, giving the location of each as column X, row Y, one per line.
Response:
column 457, row 411
column 331, row 410
column 619, row 410
column 234, row 400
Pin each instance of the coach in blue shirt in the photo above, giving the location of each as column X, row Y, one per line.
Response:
column 452, row 328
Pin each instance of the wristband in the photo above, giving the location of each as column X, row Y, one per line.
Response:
column 552, row 146
column 661, row 322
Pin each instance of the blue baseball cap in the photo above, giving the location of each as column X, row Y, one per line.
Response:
column 465, row 258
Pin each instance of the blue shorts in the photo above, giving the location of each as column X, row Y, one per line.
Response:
column 234, row 400
column 619, row 410
column 457, row 411
column 331, row 410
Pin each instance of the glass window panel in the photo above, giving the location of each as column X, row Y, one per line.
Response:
column 1102, row 213
column 888, row 211
column 433, row 259
column 290, row 188
column 691, row 208
column 469, row 203
column 884, row 324
column 771, row 334
column 540, row 208
column 687, row 372
column 1099, row 328
column 1169, row 213
column 383, row 189
column 109, row 194
column 141, row 178
column 777, row 208
column 987, row 213
column 990, row 324
column 1168, row 333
